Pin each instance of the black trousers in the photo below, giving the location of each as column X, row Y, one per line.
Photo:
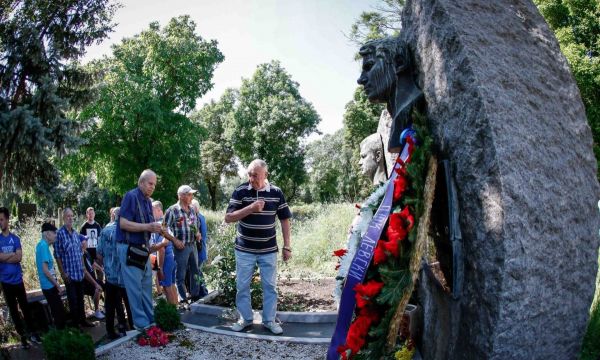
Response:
column 114, row 304
column 76, row 304
column 56, row 307
column 16, row 298
column 127, row 308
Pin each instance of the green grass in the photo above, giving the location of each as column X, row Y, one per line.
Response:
column 590, row 349
column 317, row 230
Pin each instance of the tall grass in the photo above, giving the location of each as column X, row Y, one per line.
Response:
column 317, row 230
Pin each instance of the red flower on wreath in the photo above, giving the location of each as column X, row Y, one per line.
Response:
column 396, row 231
column 340, row 252
column 369, row 289
column 399, row 187
column 379, row 255
column 408, row 218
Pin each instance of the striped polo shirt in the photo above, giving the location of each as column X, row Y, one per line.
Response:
column 256, row 232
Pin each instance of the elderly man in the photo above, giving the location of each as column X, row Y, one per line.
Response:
column 133, row 231
column 254, row 206
column 11, row 279
column 182, row 221
column 69, row 258
column 387, row 77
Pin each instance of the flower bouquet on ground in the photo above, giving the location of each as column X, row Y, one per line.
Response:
column 154, row 337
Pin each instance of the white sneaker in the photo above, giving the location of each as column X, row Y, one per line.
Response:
column 99, row 315
column 273, row 327
column 240, row 325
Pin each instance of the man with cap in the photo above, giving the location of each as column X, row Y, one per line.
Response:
column 11, row 279
column 182, row 221
column 44, row 262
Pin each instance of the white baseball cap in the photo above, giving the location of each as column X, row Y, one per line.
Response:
column 185, row 189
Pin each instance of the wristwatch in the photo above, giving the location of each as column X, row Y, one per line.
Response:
column 287, row 248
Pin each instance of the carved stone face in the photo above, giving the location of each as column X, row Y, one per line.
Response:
column 370, row 155
column 378, row 77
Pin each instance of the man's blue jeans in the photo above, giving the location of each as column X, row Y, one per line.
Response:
column 138, row 285
column 244, row 267
column 184, row 257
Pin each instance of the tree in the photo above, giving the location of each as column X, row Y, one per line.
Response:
column 40, row 82
column 371, row 25
column 331, row 174
column 270, row 122
column 140, row 120
column 217, row 149
column 577, row 28
column 360, row 120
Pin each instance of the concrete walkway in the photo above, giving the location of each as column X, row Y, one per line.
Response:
column 298, row 332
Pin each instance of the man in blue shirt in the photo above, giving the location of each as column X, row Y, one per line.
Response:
column 11, row 279
column 134, row 228
column 254, row 206
column 45, row 268
column 68, row 251
column 106, row 256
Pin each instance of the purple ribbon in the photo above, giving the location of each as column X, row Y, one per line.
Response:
column 360, row 263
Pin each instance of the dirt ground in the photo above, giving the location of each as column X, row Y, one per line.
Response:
column 306, row 295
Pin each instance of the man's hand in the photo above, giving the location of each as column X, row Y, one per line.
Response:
column 154, row 227
column 60, row 291
column 179, row 244
column 286, row 254
column 66, row 279
column 98, row 267
column 160, row 274
column 258, row 205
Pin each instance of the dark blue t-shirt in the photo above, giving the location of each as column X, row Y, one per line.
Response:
column 256, row 232
column 131, row 211
column 10, row 273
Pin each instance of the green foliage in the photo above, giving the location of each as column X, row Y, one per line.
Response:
column 270, row 121
column 331, row 177
column 167, row 316
column 318, row 230
column 147, row 87
column 360, row 120
column 576, row 24
column 220, row 272
column 217, row 149
column 68, row 344
column 41, row 85
column 384, row 21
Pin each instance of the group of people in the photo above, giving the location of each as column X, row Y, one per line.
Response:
column 115, row 261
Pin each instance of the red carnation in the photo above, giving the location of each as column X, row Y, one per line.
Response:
column 142, row 341
column 153, row 341
column 369, row 289
column 361, row 302
column 408, row 217
column 395, row 230
column 379, row 255
column 393, row 247
column 399, row 187
column 340, row 252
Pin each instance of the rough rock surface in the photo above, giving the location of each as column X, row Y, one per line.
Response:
column 506, row 111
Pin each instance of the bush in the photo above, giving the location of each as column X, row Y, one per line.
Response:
column 220, row 273
column 166, row 316
column 68, row 344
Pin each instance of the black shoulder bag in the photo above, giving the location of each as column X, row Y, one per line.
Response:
column 137, row 255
